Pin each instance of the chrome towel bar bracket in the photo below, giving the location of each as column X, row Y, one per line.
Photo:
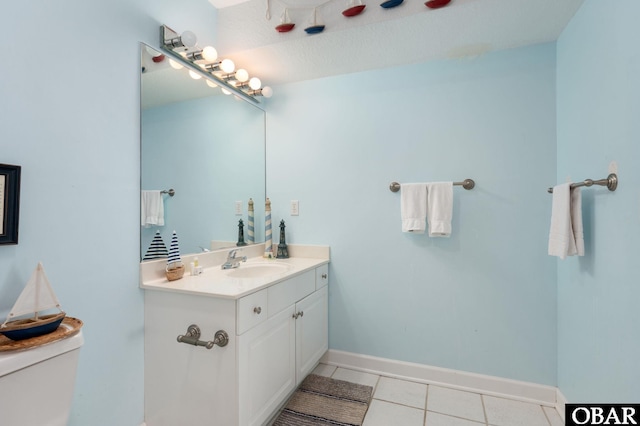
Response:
column 466, row 184
column 192, row 337
column 611, row 182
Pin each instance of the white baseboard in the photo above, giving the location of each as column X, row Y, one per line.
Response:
column 462, row 380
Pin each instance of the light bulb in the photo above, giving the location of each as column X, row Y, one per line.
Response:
column 225, row 91
column 227, row 66
column 188, row 39
column 242, row 75
column 194, row 75
column 211, row 84
column 210, row 54
column 255, row 83
column 175, row 65
column 267, row 91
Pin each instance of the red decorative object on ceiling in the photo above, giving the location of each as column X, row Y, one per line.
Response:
column 355, row 8
column 436, row 4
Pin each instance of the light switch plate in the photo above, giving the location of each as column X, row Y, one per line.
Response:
column 238, row 207
column 295, row 208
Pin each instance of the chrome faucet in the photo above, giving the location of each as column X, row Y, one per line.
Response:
column 233, row 260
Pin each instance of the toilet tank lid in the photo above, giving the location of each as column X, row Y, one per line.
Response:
column 17, row 360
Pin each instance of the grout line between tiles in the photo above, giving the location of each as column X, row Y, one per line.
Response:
column 426, row 401
column 545, row 415
column 484, row 410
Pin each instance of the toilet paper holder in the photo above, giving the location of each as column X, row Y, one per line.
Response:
column 192, row 337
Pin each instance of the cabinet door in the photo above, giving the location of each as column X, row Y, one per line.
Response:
column 266, row 367
column 312, row 336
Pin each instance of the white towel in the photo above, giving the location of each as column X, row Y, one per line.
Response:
column 566, row 237
column 413, row 207
column 439, row 208
column 151, row 209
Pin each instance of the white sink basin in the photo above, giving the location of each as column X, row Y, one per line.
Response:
column 258, row 270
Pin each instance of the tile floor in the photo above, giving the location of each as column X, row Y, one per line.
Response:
column 405, row 403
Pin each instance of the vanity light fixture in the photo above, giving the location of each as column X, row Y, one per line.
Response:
column 185, row 40
column 209, row 54
column 255, row 83
column 204, row 62
column 242, row 75
column 226, row 65
column 266, row 92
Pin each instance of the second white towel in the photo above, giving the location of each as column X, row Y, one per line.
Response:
column 566, row 237
column 151, row 209
column 439, row 208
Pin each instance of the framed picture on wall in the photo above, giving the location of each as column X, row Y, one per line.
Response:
column 9, row 203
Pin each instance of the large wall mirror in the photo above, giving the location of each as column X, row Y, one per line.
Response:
column 208, row 147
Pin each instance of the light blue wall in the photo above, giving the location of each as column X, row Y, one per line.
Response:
column 69, row 114
column 598, row 122
column 483, row 300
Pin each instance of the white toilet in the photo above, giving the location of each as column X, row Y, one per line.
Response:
column 36, row 385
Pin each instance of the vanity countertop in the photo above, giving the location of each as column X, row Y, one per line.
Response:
column 221, row 283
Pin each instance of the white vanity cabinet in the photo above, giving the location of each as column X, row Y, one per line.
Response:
column 274, row 356
column 277, row 335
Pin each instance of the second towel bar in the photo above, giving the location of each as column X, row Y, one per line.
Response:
column 466, row 184
column 611, row 182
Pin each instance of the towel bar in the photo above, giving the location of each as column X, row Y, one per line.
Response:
column 611, row 182
column 466, row 184
column 192, row 337
column 171, row 192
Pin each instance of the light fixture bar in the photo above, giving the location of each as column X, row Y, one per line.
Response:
column 167, row 34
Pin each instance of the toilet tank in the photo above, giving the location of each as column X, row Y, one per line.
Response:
column 36, row 385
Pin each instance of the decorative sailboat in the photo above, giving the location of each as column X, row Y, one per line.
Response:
column 157, row 249
column 355, row 8
column 37, row 296
column 285, row 23
column 315, row 27
column 175, row 267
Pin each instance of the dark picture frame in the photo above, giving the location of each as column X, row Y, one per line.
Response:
column 9, row 203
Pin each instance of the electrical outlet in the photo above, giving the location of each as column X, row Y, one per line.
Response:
column 295, row 208
column 238, row 208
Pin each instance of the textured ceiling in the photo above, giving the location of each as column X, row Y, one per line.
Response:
column 378, row 38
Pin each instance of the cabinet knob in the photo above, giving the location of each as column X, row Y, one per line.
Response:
column 324, row 276
column 257, row 310
column 298, row 314
column 301, row 313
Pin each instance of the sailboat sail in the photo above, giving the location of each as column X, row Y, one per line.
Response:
column 36, row 296
column 174, row 259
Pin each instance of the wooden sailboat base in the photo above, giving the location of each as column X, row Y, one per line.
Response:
column 32, row 327
column 70, row 326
